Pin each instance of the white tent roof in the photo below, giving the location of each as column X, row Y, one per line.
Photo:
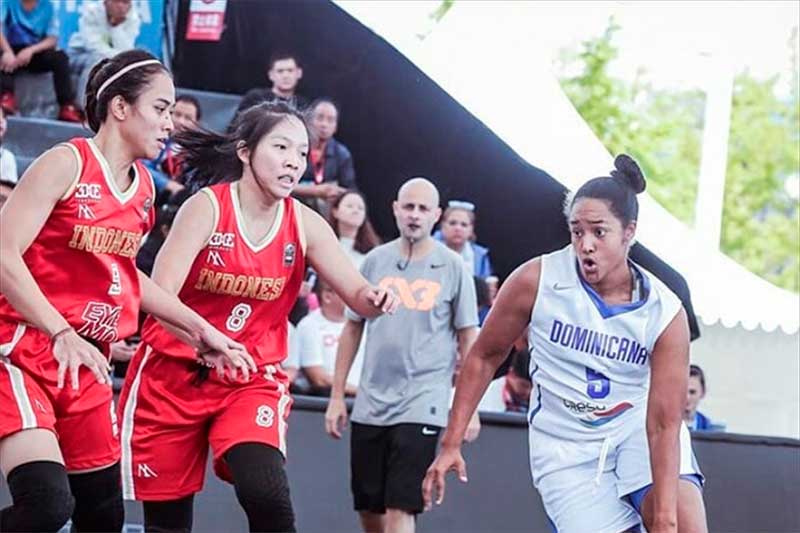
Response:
column 486, row 57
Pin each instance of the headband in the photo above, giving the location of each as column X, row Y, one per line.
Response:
column 124, row 71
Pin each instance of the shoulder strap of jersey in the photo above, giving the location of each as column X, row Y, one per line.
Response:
column 78, row 148
column 211, row 193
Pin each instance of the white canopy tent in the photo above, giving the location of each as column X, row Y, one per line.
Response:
column 487, row 58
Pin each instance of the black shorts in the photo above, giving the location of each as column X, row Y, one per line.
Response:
column 388, row 464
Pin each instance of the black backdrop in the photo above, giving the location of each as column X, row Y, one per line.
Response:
column 397, row 122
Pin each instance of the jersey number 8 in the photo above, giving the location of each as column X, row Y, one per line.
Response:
column 238, row 317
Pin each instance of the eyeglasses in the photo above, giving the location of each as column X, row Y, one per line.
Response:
column 461, row 204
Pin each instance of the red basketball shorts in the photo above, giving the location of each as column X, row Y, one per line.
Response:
column 84, row 421
column 169, row 419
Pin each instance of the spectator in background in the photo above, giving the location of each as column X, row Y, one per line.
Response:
column 291, row 365
column 5, row 190
column 165, row 216
column 458, row 233
column 696, row 391
column 28, row 41
column 330, row 171
column 317, row 340
column 167, row 167
column 350, row 223
column 8, row 163
column 284, row 73
column 517, row 389
column 104, row 29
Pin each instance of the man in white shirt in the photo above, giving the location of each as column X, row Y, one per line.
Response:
column 105, row 29
column 318, row 338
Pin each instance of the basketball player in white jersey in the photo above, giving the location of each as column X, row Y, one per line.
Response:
column 609, row 349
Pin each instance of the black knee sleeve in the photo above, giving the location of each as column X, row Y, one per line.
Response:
column 41, row 496
column 261, row 486
column 98, row 500
column 169, row 517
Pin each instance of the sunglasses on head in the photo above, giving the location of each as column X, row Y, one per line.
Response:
column 461, row 204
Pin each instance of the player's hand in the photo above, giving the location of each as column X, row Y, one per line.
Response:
column 336, row 417
column 384, row 299
column 214, row 344
column 473, row 428
column 122, row 352
column 330, row 191
column 449, row 459
column 72, row 352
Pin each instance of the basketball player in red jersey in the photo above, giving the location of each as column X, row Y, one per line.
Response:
column 68, row 238
column 236, row 254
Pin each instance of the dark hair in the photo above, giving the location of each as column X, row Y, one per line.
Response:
column 319, row 286
column 366, row 237
column 189, row 99
column 324, row 100
column 520, row 361
column 130, row 85
column 697, row 372
column 211, row 157
column 619, row 190
column 481, row 291
column 279, row 55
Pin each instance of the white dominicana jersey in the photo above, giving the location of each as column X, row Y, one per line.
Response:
column 590, row 362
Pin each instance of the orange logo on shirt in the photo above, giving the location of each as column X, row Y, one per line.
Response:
column 418, row 295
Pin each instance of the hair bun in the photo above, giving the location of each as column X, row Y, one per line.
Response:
column 628, row 172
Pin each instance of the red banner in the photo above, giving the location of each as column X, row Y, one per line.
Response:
column 206, row 20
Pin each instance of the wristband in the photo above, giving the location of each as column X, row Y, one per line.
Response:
column 59, row 333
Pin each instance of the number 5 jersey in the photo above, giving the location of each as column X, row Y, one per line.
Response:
column 590, row 362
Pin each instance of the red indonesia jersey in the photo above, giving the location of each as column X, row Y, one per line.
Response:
column 244, row 289
column 84, row 257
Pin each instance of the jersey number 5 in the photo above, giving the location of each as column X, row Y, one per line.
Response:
column 597, row 385
column 239, row 315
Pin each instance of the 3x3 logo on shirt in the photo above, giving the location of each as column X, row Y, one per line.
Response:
column 417, row 295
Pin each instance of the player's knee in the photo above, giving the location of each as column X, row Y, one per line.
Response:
column 98, row 500
column 42, row 500
column 262, row 486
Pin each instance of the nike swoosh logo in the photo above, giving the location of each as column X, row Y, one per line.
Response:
column 559, row 287
column 426, row 431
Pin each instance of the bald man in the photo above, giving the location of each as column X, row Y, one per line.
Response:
column 404, row 392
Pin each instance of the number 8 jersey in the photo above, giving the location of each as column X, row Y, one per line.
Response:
column 590, row 362
column 244, row 289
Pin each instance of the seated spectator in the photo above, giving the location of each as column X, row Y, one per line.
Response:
column 457, row 231
column 350, row 223
column 483, row 294
column 28, row 41
column 284, row 73
column 167, row 167
column 5, row 190
column 291, row 365
column 164, row 218
column 104, row 29
column 8, row 163
column 695, row 420
column 317, row 340
column 517, row 390
column 330, row 170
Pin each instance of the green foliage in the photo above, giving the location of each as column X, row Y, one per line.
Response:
column 663, row 129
